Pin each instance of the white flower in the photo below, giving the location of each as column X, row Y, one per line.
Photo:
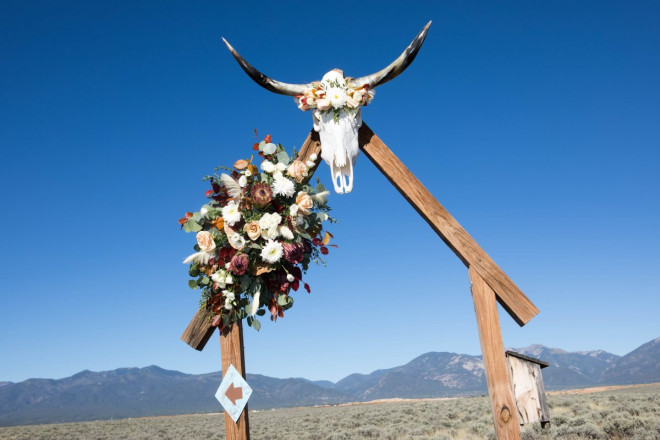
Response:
column 270, row 220
column 227, row 266
column 271, row 233
column 242, row 181
column 293, row 210
column 269, row 148
column 280, row 166
column 204, row 210
column 248, row 173
column 267, row 166
column 228, row 304
column 285, row 232
column 220, row 278
column 310, row 164
column 231, row 214
column 229, row 279
column 313, row 156
column 290, row 278
column 283, row 186
column 277, row 174
column 238, row 240
column 322, row 197
column 229, row 295
column 337, row 97
column 272, row 252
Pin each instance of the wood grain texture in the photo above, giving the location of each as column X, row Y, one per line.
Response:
column 452, row 233
column 312, row 145
column 231, row 350
column 502, row 403
column 199, row 331
column 528, row 390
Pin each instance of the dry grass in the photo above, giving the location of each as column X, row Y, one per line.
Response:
column 616, row 413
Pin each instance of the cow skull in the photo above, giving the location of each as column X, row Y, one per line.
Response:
column 336, row 102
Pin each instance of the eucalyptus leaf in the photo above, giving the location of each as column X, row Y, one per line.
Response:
column 192, row 284
column 193, row 226
column 205, row 280
column 261, row 312
column 282, row 157
column 256, row 324
column 282, row 300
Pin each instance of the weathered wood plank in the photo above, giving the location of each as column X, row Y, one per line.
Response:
column 232, row 352
column 199, row 329
column 528, row 390
column 452, row 233
column 502, row 403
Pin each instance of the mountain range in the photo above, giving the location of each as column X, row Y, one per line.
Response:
column 150, row 391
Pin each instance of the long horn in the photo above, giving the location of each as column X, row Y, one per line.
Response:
column 398, row 66
column 263, row 80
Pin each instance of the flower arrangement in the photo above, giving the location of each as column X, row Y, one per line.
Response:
column 334, row 96
column 257, row 236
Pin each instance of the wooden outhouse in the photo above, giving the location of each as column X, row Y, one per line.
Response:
column 528, row 390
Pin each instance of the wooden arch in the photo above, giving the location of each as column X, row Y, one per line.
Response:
column 488, row 285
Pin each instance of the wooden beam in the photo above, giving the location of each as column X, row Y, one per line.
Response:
column 199, row 329
column 232, row 352
column 503, row 406
column 452, row 233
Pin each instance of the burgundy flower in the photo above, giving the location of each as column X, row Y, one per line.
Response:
column 293, row 252
column 226, row 254
column 239, row 264
column 261, row 193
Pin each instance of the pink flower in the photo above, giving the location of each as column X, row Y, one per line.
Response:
column 239, row 264
column 293, row 252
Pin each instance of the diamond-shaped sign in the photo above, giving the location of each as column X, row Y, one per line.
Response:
column 233, row 393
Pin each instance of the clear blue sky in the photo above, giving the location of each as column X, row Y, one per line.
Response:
column 536, row 124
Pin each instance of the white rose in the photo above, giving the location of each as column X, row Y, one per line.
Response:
column 242, row 181
column 280, row 166
column 267, row 166
column 290, row 278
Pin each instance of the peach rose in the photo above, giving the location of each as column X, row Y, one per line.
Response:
column 241, row 164
column 253, row 230
column 205, row 241
column 305, row 203
column 297, row 169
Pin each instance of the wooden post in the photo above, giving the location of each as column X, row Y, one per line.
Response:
column 231, row 350
column 503, row 406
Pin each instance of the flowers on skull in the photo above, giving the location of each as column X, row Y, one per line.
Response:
column 334, row 95
column 257, row 235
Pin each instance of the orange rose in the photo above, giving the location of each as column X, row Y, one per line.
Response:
column 305, row 203
column 205, row 241
column 253, row 230
column 297, row 169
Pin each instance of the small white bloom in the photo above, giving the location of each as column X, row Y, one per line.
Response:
column 285, row 232
column 269, row 148
column 337, row 97
column 229, row 295
column 229, row 279
column 271, row 233
column 283, row 187
column 227, row 266
column 238, row 240
column 270, row 220
column 242, row 181
column 204, row 210
column 277, row 174
column 248, row 173
column 272, row 252
column 267, row 166
column 293, row 210
column 280, row 166
column 313, row 156
column 310, row 164
column 228, row 304
column 231, row 214
column 220, row 278
column 290, row 278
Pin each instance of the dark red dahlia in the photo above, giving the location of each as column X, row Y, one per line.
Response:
column 239, row 264
column 293, row 252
